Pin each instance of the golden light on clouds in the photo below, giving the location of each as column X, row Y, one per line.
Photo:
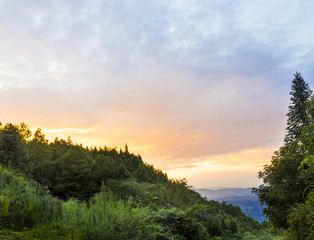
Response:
column 224, row 167
column 136, row 148
column 196, row 103
column 69, row 130
column 208, row 170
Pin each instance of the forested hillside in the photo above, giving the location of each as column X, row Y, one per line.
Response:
column 59, row 190
column 288, row 189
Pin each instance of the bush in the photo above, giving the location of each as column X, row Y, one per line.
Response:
column 24, row 203
column 108, row 218
column 301, row 220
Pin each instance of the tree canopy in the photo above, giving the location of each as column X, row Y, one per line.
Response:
column 297, row 114
column 72, row 192
column 287, row 189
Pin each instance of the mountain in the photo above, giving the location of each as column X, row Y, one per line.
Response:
column 241, row 197
column 59, row 190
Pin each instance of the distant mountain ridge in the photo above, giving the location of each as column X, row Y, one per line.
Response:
column 223, row 192
column 241, row 197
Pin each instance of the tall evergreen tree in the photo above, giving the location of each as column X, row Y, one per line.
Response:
column 283, row 183
column 297, row 116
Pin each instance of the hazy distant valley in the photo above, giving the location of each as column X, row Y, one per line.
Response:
column 241, row 197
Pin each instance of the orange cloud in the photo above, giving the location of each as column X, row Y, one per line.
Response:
column 237, row 169
column 180, row 91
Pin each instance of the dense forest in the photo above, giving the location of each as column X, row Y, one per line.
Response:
column 61, row 190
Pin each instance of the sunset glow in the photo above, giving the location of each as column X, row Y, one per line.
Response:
column 199, row 89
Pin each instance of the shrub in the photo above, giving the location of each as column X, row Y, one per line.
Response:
column 24, row 203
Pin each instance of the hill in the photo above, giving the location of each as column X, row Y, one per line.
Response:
column 60, row 190
column 241, row 197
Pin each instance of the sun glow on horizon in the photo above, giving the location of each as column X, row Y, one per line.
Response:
column 197, row 89
column 70, row 130
column 248, row 161
column 206, row 170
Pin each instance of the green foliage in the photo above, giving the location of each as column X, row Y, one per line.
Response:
column 73, row 177
column 156, row 195
column 297, row 115
column 39, row 137
column 301, row 220
column 283, row 186
column 136, row 200
column 181, row 224
column 24, row 203
column 260, row 236
column 107, row 218
column 13, row 152
column 288, row 185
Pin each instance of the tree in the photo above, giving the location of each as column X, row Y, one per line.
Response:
column 297, row 119
column 283, row 184
column 13, row 152
column 39, row 137
column 74, row 175
column 126, row 149
column 24, row 131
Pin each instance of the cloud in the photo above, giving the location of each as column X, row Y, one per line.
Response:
column 225, row 179
column 238, row 169
column 190, row 80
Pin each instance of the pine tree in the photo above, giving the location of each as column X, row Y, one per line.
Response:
column 297, row 116
column 283, row 184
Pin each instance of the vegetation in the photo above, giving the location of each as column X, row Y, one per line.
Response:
column 249, row 204
column 60, row 190
column 287, row 191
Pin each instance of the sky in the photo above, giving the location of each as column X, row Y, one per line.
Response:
column 198, row 88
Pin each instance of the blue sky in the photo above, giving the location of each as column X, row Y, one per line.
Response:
column 199, row 88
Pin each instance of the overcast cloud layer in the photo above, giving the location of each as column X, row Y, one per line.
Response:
column 187, row 84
